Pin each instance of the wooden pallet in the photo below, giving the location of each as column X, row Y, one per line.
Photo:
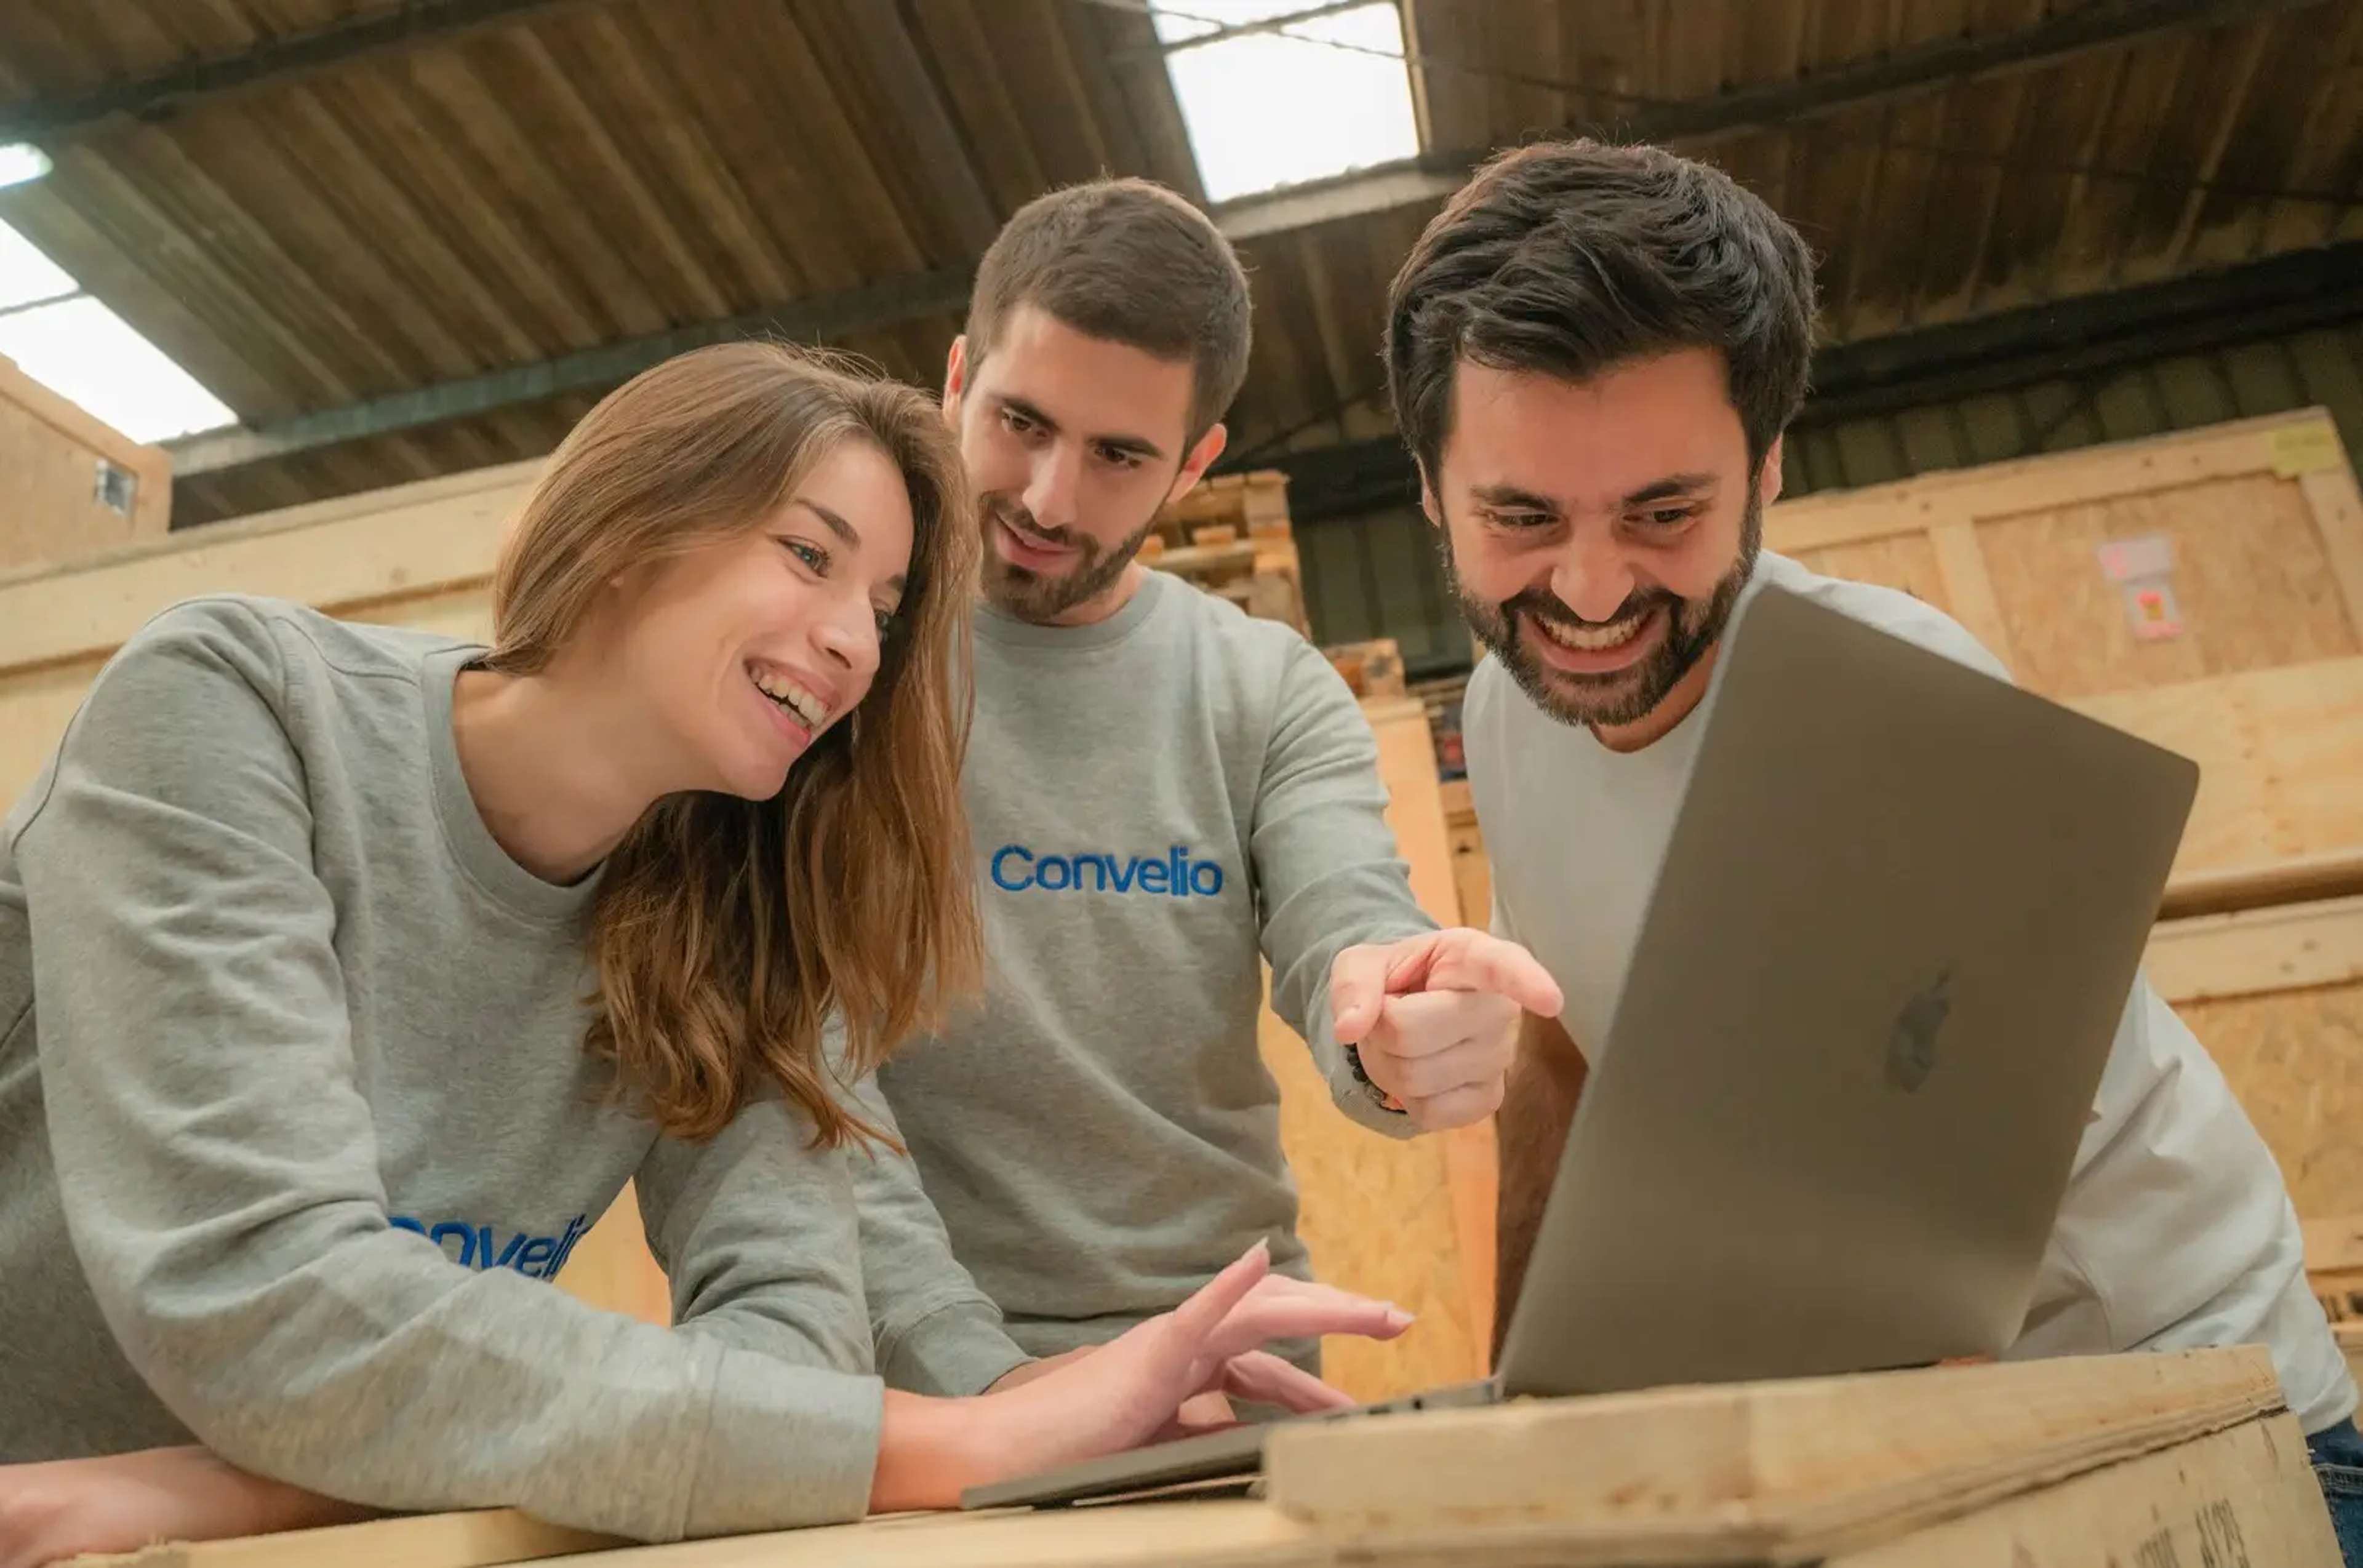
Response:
column 1231, row 537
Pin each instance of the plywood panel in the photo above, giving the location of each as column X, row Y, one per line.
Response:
column 1378, row 1218
column 2279, row 753
column 1407, row 1220
column 611, row 1268
column 2295, row 1059
column 1907, row 561
column 2252, row 579
column 2276, row 994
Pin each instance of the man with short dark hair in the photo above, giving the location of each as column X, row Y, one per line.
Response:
column 1164, row 794
column 1593, row 352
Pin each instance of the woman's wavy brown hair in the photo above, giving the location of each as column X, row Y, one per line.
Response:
column 726, row 931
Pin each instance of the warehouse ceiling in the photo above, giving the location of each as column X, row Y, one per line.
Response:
column 399, row 241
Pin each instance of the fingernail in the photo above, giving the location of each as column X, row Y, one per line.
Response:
column 1398, row 1319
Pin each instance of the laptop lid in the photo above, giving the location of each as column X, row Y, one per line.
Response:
column 1862, row 1027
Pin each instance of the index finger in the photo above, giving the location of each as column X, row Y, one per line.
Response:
column 1487, row 963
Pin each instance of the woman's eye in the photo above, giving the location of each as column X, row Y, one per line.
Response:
column 812, row 555
column 886, row 624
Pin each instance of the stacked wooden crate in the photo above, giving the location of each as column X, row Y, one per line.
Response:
column 1231, row 537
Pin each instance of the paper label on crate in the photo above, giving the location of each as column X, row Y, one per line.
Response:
column 2304, row 448
column 2133, row 560
column 2150, row 610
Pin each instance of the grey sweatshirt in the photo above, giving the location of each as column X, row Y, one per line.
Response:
column 1160, row 803
column 296, row 1123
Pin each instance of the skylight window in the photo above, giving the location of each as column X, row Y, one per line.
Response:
column 1322, row 95
column 26, row 275
column 79, row 348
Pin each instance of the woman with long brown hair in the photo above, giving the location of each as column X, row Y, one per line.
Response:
column 346, row 974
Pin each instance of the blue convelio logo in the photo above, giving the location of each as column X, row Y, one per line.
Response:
column 482, row 1246
column 1173, row 875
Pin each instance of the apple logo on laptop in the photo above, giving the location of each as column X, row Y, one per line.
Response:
column 1912, row 1048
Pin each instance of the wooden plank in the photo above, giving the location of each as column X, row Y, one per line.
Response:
column 2261, row 950
column 1904, row 561
column 479, row 1539
column 2294, row 1059
column 2334, row 1245
column 2339, row 514
column 411, row 538
column 2055, row 479
column 2114, row 1486
column 1785, row 1470
column 2336, row 874
column 1969, row 587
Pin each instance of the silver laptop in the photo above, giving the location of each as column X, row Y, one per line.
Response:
column 1857, row 1043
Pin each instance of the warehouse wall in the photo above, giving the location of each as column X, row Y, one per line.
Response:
column 1377, row 575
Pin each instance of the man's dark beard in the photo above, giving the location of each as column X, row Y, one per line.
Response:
column 1622, row 696
column 1031, row 596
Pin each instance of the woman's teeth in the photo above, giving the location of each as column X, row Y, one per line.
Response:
column 809, row 710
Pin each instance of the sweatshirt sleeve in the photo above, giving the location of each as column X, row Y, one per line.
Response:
column 936, row 1331
column 218, row 1166
column 1327, row 872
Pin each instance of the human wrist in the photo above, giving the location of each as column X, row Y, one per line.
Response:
column 926, row 1453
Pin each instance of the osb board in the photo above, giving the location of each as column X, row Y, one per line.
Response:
column 1907, row 561
column 2294, row 1059
column 2251, row 579
column 2280, row 751
column 2258, row 511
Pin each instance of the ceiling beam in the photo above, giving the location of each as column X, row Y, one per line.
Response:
column 2112, row 24
column 1903, row 73
column 47, row 123
column 2084, row 336
column 820, row 320
column 880, row 33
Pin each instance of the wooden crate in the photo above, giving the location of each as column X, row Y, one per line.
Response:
column 2148, row 1461
column 2263, row 683
column 77, row 487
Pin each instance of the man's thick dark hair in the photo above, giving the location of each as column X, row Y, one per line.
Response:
column 1130, row 262
column 1570, row 258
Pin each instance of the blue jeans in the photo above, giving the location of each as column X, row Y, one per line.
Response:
column 2337, row 1455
